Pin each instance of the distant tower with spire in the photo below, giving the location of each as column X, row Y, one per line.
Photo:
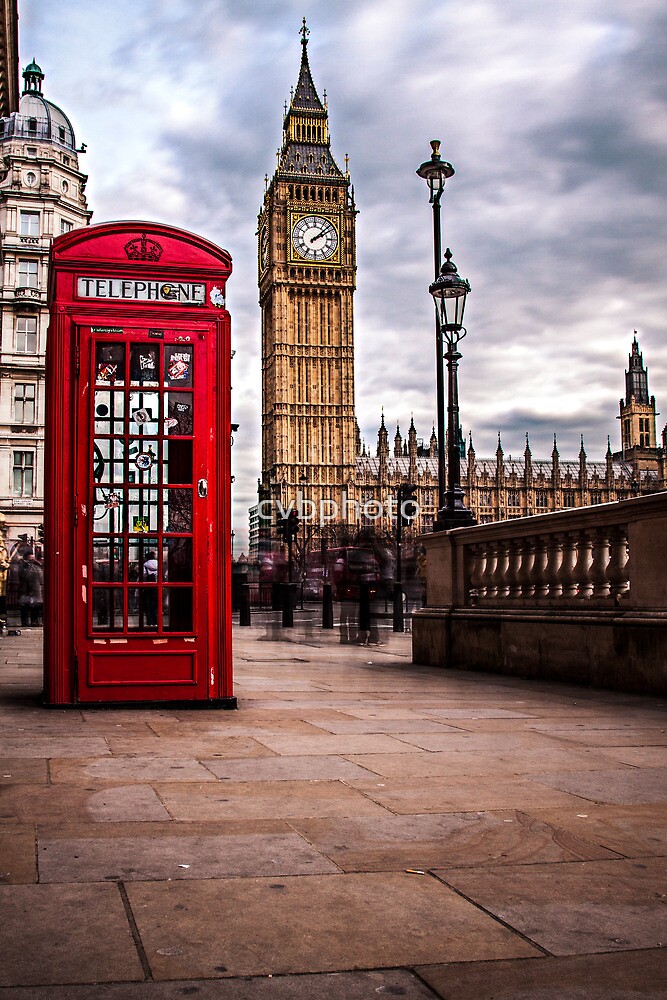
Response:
column 637, row 413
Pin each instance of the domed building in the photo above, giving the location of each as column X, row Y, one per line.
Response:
column 42, row 194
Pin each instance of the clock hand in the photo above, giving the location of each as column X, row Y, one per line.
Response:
column 313, row 239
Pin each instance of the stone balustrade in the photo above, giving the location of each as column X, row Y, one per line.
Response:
column 589, row 564
column 566, row 594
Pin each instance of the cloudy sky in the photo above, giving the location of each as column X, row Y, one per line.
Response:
column 553, row 114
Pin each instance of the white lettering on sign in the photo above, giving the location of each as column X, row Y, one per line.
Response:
column 191, row 293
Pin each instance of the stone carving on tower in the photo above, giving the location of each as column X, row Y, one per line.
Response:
column 307, row 268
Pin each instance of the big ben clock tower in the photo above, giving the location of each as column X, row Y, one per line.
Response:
column 307, row 268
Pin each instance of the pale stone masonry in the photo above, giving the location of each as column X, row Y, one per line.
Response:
column 42, row 194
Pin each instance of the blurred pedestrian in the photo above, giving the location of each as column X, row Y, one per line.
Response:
column 31, row 581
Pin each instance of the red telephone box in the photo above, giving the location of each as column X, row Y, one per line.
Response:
column 137, row 478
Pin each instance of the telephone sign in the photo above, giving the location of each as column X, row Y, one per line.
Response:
column 137, row 588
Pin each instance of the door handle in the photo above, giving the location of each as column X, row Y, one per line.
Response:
column 202, row 488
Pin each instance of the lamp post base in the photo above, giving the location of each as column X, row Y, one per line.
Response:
column 454, row 514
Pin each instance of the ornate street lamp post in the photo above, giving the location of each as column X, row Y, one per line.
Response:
column 435, row 172
column 449, row 292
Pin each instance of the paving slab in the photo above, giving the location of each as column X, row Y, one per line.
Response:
column 124, row 769
column 23, row 771
column 330, row 767
column 459, row 794
column 314, row 923
column 584, row 907
column 232, row 724
column 629, row 737
column 197, row 857
column 636, row 756
column 17, row 854
column 461, row 762
column 221, row 745
column 53, row 746
column 325, row 743
column 65, row 934
column 648, row 784
column 265, row 800
column 628, row 976
column 387, row 725
column 482, row 742
column 423, row 842
column 325, row 986
column 121, row 803
column 633, row 831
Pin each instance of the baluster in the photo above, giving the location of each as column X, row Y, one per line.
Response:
column 566, row 577
column 599, row 563
column 525, row 572
column 582, row 569
column 476, row 574
column 516, row 549
column 618, row 568
column 538, row 575
column 555, row 554
column 490, row 588
column 484, row 570
column 500, row 573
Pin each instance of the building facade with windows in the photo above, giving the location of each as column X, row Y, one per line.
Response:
column 505, row 486
column 42, row 194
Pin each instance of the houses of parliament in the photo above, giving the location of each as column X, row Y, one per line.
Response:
column 311, row 445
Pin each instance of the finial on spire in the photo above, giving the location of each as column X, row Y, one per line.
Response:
column 266, row 183
column 304, row 32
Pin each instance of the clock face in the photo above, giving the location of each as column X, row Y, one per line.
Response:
column 264, row 248
column 315, row 238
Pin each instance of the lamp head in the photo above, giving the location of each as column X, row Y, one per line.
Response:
column 449, row 291
column 435, row 172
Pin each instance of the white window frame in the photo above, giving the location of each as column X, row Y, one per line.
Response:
column 28, row 273
column 25, row 402
column 22, row 336
column 29, row 223
column 23, row 473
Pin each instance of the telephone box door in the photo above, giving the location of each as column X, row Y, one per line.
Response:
column 145, row 514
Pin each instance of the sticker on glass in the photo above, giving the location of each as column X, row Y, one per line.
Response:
column 140, row 524
column 112, row 501
column 143, row 363
column 109, row 362
column 178, row 367
column 144, row 460
column 142, row 416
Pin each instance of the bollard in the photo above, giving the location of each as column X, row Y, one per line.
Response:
column 327, row 606
column 276, row 596
column 399, row 625
column 365, row 608
column 288, row 596
column 244, row 605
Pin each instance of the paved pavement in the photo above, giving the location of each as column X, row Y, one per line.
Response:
column 359, row 828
